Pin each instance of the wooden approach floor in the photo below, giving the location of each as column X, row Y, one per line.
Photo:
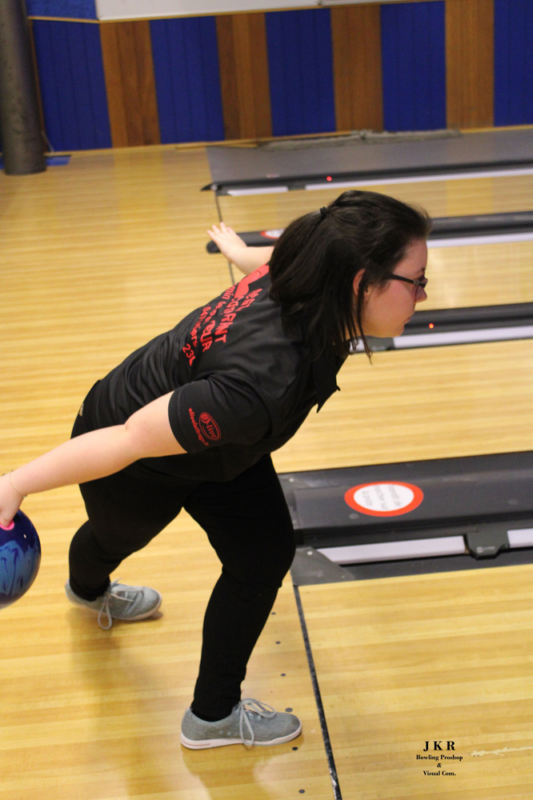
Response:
column 97, row 258
column 403, row 663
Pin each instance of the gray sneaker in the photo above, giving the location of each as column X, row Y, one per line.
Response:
column 128, row 603
column 250, row 722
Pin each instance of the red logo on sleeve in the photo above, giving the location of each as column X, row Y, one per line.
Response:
column 197, row 427
column 209, row 427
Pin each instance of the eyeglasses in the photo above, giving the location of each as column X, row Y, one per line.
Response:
column 420, row 285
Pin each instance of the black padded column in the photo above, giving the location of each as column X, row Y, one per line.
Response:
column 19, row 111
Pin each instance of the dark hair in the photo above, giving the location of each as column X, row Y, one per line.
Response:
column 318, row 256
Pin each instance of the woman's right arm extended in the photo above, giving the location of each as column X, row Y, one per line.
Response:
column 146, row 434
column 230, row 244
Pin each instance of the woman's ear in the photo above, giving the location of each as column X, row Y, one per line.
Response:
column 357, row 280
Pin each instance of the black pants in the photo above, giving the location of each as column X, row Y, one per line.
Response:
column 249, row 526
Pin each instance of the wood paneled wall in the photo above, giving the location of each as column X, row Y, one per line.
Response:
column 240, row 100
column 356, row 33
column 244, row 79
column 130, row 83
column 470, row 63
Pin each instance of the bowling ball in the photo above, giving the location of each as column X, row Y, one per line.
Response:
column 20, row 557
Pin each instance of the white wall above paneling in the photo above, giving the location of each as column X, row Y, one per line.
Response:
column 133, row 9
column 127, row 9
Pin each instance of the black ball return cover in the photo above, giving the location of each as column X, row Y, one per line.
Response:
column 473, row 225
column 235, row 168
column 487, row 500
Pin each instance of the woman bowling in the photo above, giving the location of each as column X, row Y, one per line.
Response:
column 190, row 420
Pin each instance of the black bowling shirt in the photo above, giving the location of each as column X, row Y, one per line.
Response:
column 241, row 386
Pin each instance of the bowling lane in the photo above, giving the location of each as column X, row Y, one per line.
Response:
column 424, row 404
column 470, row 275
column 402, row 661
column 479, row 275
column 405, row 661
column 441, row 198
column 97, row 258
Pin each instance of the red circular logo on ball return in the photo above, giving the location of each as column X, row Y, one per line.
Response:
column 382, row 499
column 209, row 427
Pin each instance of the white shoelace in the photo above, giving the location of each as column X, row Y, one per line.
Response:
column 255, row 707
column 119, row 595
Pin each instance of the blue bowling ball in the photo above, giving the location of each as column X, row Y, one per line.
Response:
column 20, row 557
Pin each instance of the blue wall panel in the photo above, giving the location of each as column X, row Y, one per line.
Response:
column 70, row 9
column 414, row 66
column 185, row 54
column 72, row 84
column 300, row 63
column 513, row 62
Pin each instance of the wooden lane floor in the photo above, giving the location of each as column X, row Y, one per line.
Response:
column 479, row 275
column 423, row 404
column 90, row 715
column 97, row 258
column 403, row 663
column 441, row 198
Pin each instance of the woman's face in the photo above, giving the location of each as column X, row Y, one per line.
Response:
column 387, row 309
